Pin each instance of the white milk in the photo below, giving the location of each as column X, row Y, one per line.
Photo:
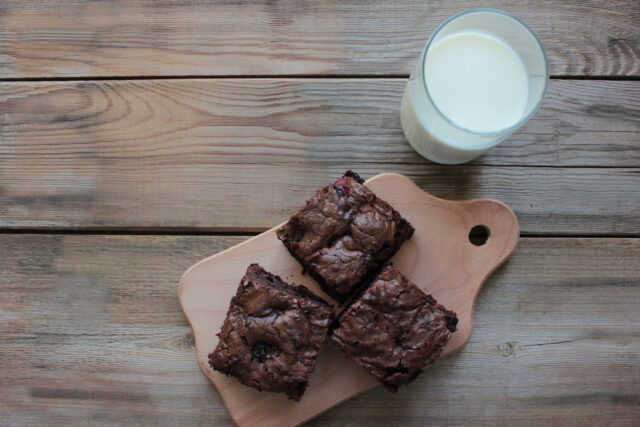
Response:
column 476, row 81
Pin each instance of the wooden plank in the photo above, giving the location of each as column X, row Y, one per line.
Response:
column 581, row 123
column 91, row 332
column 67, row 38
column 235, row 197
column 163, row 154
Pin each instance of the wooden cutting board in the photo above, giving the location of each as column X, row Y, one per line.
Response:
column 439, row 258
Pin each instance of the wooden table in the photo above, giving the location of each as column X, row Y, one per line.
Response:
column 137, row 137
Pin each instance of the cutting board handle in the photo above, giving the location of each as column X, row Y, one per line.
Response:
column 441, row 258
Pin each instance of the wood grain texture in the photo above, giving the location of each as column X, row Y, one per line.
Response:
column 255, row 197
column 453, row 274
column 581, row 123
column 244, row 154
column 91, row 333
column 65, row 38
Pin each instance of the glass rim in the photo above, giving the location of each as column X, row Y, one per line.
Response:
column 524, row 118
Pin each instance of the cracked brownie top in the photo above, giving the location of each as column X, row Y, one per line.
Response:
column 272, row 334
column 343, row 233
column 394, row 330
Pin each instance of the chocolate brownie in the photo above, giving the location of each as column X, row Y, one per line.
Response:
column 394, row 330
column 343, row 234
column 272, row 334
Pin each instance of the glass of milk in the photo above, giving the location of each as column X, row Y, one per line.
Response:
column 480, row 77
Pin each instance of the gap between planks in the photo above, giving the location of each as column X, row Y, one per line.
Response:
column 244, row 233
column 271, row 76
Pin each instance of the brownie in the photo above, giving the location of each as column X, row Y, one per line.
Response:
column 394, row 330
column 272, row 334
column 343, row 234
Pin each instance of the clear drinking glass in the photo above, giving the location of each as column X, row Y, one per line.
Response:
column 440, row 136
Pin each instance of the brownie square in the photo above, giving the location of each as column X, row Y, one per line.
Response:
column 343, row 234
column 272, row 334
column 394, row 330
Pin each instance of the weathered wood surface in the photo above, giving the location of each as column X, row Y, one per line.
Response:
column 581, row 123
column 235, row 197
column 243, row 154
column 67, row 38
column 91, row 332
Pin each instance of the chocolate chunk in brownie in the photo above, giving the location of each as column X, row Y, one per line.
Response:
column 272, row 334
column 394, row 330
column 343, row 234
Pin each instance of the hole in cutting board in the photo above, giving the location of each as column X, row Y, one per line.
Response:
column 479, row 235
